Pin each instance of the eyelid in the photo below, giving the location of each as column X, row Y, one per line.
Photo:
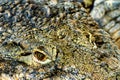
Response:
column 43, row 50
column 39, row 51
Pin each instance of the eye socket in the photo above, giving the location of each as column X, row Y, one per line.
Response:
column 40, row 56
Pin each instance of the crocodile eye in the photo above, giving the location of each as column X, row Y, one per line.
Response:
column 39, row 56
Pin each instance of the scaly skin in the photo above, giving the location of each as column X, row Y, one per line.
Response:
column 107, row 14
column 63, row 43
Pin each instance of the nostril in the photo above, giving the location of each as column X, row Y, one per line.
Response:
column 25, row 54
column 40, row 56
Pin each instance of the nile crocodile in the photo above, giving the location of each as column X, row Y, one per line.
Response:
column 58, row 41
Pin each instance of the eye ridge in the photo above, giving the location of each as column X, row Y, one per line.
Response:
column 41, row 48
column 40, row 56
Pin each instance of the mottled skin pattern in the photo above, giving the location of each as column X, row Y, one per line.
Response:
column 64, row 44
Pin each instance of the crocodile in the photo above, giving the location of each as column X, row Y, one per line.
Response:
column 58, row 41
